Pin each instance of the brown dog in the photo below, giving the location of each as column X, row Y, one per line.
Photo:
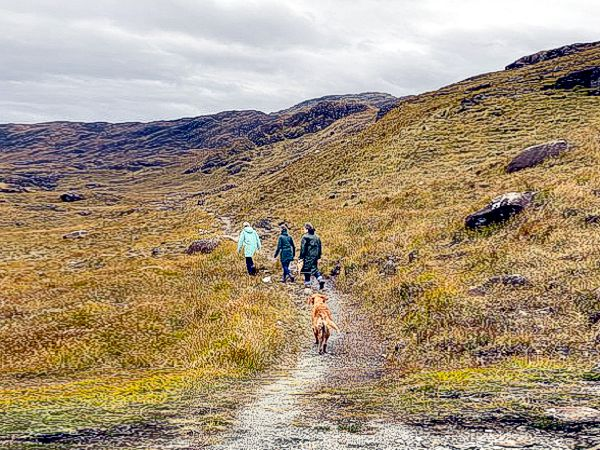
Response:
column 322, row 321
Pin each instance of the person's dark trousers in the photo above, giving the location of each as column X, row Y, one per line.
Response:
column 250, row 266
column 286, row 270
column 307, row 276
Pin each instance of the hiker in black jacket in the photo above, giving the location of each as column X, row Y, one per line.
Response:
column 287, row 250
column 310, row 253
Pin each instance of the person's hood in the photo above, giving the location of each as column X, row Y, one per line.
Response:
column 284, row 232
column 248, row 230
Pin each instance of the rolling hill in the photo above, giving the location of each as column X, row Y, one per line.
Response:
column 496, row 323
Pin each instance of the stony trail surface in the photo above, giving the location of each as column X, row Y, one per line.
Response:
column 284, row 414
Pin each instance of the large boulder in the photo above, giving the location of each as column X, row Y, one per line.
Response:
column 202, row 246
column 534, row 155
column 586, row 78
column 71, row 197
column 499, row 209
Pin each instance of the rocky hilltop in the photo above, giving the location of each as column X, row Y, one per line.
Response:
column 237, row 130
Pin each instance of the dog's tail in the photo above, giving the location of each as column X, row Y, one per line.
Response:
column 331, row 324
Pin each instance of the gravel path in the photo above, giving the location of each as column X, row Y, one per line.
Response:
column 282, row 416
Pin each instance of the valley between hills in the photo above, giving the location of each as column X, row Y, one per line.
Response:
column 460, row 231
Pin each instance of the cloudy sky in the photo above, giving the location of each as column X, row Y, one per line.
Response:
column 121, row 60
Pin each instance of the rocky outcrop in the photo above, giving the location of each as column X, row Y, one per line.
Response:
column 586, row 78
column 499, row 210
column 532, row 156
column 71, row 197
column 76, row 234
column 202, row 246
column 546, row 55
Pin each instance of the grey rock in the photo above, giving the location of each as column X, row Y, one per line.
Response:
column 500, row 209
column 586, row 78
column 592, row 219
column 532, row 156
column 76, row 234
column 71, row 197
column 202, row 246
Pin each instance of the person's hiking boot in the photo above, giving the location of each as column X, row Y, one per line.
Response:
column 283, row 279
column 292, row 279
column 321, row 285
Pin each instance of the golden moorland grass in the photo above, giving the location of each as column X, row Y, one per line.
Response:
column 96, row 331
column 101, row 323
column 407, row 183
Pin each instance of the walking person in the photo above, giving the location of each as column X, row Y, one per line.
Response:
column 286, row 251
column 250, row 240
column 310, row 253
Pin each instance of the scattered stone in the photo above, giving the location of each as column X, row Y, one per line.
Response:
column 13, row 190
column 508, row 280
column 389, row 267
column 265, row 224
column 587, row 78
column 536, row 154
column 412, row 256
column 500, row 209
column 76, row 234
column 85, row 213
column 337, row 269
column 575, row 414
column 267, row 280
column 514, row 280
column 516, row 443
column 71, row 197
column 156, row 252
column 592, row 220
column 570, row 212
column 202, row 246
column 477, row 291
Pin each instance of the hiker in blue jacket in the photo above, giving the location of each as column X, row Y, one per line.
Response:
column 287, row 251
column 251, row 242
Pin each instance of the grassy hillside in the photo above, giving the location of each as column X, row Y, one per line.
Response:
column 405, row 186
column 102, row 326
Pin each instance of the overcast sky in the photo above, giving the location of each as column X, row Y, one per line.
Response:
column 121, row 60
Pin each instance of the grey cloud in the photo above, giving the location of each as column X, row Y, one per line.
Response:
column 149, row 59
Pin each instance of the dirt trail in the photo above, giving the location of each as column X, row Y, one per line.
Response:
column 285, row 411
column 284, row 414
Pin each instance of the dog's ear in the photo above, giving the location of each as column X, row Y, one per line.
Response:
column 324, row 297
column 311, row 300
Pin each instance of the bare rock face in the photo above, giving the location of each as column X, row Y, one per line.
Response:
column 71, row 197
column 586, row 78
column 532, row 156
column 202, row 246
column 499, row 210
column 546, row 55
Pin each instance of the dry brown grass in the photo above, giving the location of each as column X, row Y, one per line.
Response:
column 407, row 183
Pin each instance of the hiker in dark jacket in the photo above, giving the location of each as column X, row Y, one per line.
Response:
column 286, row 251
column 310, row 253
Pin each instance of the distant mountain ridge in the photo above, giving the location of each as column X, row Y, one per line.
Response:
column 229, row 129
